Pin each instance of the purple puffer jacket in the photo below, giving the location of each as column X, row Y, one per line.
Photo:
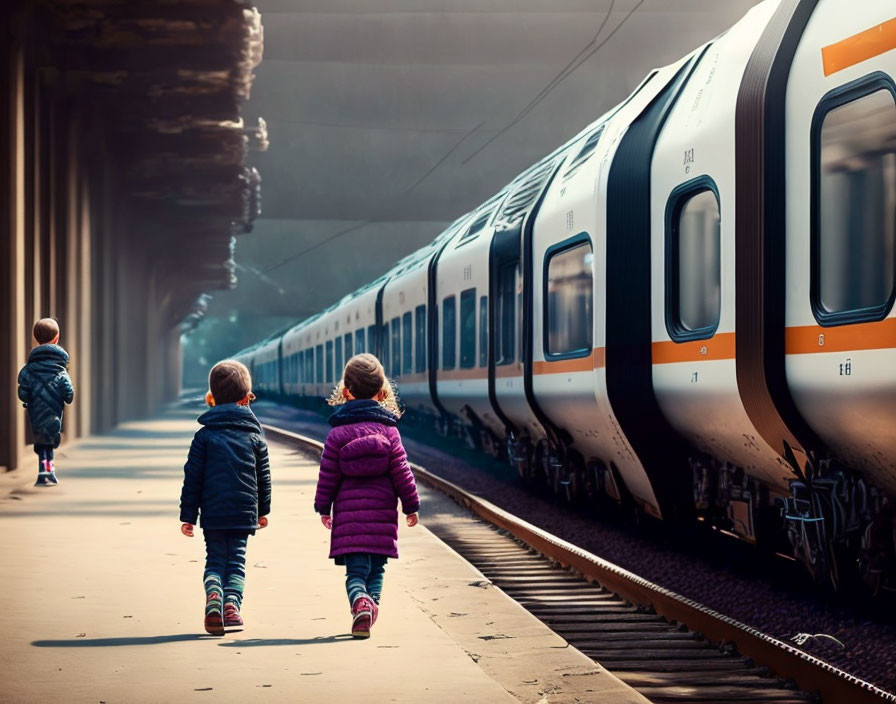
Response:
column 363, row 472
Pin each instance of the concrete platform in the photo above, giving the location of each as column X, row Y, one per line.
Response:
column 104, row 601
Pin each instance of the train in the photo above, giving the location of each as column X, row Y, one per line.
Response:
column 686, row 309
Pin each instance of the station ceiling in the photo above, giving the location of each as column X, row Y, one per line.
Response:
column 390, row 118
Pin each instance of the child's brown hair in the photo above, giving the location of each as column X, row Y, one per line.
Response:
column 45, row 330
column 364, row 377
column 229, row 381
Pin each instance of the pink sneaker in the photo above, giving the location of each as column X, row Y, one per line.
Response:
column 376, row 612
column 362, row 617
column 232, row 616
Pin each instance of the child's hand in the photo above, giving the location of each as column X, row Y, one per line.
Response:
column 327, row 521
column 413, row 519
column 263, row 522
column 187, row 529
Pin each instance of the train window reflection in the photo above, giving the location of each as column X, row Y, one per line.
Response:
column 468, row 328
column 695, row 266
column 420, row 348
column 505, row 315
column 855, row 234
column 569, row 289
column 449, row 332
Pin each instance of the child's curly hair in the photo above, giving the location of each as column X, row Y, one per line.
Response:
column 364, row 377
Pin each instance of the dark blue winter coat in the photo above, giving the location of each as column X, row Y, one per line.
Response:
column 227, row 478
column 44, row 389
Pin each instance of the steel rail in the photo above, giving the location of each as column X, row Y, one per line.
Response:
column 784, row 660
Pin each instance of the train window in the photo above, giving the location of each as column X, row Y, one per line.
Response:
column 329, row 361
column 468, row 328
column 483, row 331
column 300, row 367
column 693, row 261
column 384, row 357
column 854, row 203
column 569, row 293
column 319, row 358
column 371, row 340
column 396, row 346
column 309, row 366
column 359, row 341
column 449, row 332
column 337, row 364
column 420, row 349
column 348, row 346
column 505, row 309
column 407, row 343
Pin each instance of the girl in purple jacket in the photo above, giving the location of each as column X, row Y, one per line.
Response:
column 363, row 472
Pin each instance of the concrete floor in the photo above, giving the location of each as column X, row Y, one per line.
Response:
column 104, row 600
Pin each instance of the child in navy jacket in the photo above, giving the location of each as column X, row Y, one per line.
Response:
column 227, row 484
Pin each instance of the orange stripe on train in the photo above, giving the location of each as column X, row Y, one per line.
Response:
column 720, row 346
column 809, row 339
column 859, row 47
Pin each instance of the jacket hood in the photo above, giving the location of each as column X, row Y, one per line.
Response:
column 366, row 456
column 51, row 355
column 363, row 411
column 230, row 415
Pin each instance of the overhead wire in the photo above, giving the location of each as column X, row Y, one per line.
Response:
column 557, row 80
column 336, row 235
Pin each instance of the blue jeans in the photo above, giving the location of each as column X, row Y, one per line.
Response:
column 364, row 575
column 225, row 564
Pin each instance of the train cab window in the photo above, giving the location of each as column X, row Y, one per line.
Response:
column 319, row 358
column 348, row 347
column 505, row 315
column 329, row 361
column 396, row 346
column 483, row 331
column 420, row 348
column 359, row 341
column 693, row 261
column 854, row 203
column 468, row 328
column 407, row 343
column 569, row 293
column 449, row 332
column 309, row 366
column 337, row 365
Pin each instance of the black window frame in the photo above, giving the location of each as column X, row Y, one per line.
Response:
column 836, row 98
column 407, row 342
column 449, row 362
column 559, row 248
column 420, row 346
column 467, row 346
column 679, row 197
column 483, row 331
column 395, row 329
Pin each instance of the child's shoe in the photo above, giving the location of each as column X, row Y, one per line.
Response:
column 362, row 616
column 232, row 616
column 214, row 619
column 376, row 612
column 43, row 479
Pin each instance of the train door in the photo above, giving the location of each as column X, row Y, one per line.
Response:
column 841, row 233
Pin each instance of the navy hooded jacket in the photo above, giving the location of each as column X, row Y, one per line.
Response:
column 227, row 477
column 44, row 389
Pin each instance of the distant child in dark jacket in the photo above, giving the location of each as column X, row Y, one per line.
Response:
column 363, row 473
column 227, row 484
column 44, row 389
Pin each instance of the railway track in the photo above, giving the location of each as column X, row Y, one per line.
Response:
column 669, row 648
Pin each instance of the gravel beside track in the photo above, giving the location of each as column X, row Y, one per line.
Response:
column 770, row 594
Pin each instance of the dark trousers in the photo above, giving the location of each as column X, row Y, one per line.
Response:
column 44, row 452
column 364, row 575
column 225, row 564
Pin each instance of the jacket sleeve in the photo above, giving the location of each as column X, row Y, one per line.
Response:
column 24, row 387
column 68, row 391
column 263, row 476
column 329, row 479
column 402, row 477
column 194, row 471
